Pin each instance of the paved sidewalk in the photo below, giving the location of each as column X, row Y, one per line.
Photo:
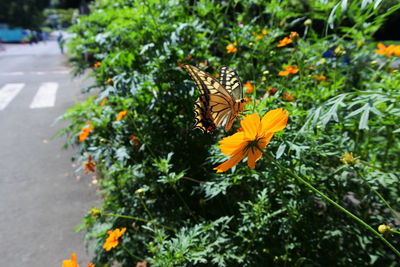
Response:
column 41, row 198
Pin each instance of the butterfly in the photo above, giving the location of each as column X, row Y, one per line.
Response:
column 220, row 101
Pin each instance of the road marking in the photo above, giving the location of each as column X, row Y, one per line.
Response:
column 45, row 96
column 8, row 92
column 20, row 73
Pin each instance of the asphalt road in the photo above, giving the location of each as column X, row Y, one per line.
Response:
column 41, row 197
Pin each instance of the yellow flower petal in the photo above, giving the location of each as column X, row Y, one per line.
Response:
column 230, row 144
column 274, row 121
column 231, row 162
column 250, row 125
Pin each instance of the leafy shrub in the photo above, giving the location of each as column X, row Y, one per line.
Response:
column 157, row 176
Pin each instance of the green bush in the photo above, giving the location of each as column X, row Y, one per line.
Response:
column 156, row 173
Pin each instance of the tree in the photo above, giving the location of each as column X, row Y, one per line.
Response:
column 23, row 13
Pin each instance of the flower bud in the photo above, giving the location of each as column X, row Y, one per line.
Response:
column 383, row 228
column 294, row 36
column 140, row 191
column 95, row 212
column 308, row 22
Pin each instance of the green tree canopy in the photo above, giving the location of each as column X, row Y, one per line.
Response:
column 23, row 13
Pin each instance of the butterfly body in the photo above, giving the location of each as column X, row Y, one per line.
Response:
column 220, row 102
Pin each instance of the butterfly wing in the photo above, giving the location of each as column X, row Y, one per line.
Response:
column 215, row 106
column 229, row 79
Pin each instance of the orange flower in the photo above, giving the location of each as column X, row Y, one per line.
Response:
column 249, row 86
column 85, row 132
column 122, row 115
column 294, row 36
column 112, row 239
column 287, row 97
column 284, row 42
column 103, row 101
column 289, row 70
column 264, row 31
column 319, row 77
column 231, row 48
column 89, row 165
column 135, row 141
column 247, row 100
column 216, row 75
column 255, row 136
column 259, row 36
column 97, row 64
column 71, row 262
column 110, row 81
column 389, row 51
column 90, row 265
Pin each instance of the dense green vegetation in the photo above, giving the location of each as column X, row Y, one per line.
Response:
column 155, row 174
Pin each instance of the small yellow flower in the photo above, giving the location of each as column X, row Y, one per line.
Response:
column 110, row 81
column 383, row 228
column 308, row 22
column 140, row 191
column 264, row 31
column 122, row 115
column 254, row 137
column 349, row 159
column 258, row 37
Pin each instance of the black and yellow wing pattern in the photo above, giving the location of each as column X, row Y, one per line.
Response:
column 216, row 105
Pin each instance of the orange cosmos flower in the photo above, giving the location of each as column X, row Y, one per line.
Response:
column 259, row 36
column 388, row 51
column 122, row 115
column 89, row 165
column 85, row 132
column 319, row 77
column 231, row 48
column 112, row 239
column 90, row 265
column 249, row 86
column 287, row 97
column 289, row 70
column 97, row 64
column 71, row 262
column 284, row 42
column 255, row 136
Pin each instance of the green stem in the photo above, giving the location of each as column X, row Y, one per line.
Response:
column 354, row 217
column 131, row 254
column 138, row 219
column 145, row 208
column 378, row 194
column 183, row 201
column 394, row 231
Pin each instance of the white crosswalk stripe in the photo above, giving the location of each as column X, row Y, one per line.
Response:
column 45, row 96
column 8, row 92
